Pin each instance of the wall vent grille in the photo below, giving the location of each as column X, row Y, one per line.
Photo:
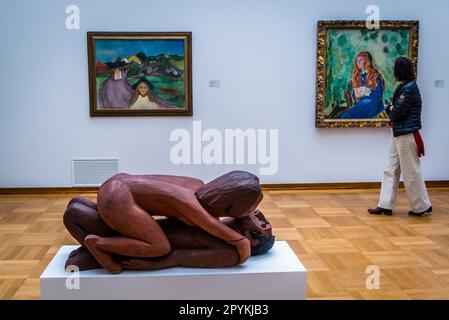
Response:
column 93, row 172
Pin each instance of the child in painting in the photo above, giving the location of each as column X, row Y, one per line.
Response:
column 143, row 98
column 365, row 91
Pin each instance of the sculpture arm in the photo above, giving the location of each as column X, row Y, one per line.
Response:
column 195, row 213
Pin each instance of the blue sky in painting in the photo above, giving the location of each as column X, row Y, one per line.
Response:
column 110, row 50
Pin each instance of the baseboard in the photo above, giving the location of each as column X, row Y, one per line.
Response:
column 266, row 187
column 344, row 185
column 48, row 190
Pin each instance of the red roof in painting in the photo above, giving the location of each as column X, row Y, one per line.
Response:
column 101, row 68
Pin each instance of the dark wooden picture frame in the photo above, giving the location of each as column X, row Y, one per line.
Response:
column 340, row 43
column 140, row 73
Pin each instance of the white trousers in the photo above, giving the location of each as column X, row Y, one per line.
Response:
column 403, row 158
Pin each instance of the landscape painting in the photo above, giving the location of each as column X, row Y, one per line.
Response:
column 140, row 74
column 355, row 70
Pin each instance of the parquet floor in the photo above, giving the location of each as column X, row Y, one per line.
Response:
column 330, row 231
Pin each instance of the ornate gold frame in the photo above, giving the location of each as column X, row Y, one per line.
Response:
column 323, row 26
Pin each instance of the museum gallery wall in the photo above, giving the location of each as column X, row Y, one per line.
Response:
column 277, row 72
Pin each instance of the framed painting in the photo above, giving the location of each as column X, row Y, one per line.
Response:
column 140, row 73
column 355, row 75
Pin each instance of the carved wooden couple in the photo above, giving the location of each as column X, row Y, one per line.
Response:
column 119, row 232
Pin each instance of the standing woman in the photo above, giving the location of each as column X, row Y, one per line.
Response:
column 406, row 146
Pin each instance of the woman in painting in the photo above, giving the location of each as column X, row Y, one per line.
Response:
column 144, row 98
column 364, row 93
column 116, row 90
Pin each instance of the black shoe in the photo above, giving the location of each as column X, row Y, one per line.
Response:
column 428, row 212
column 380, row 210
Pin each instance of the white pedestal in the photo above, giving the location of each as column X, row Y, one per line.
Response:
column 276, row 275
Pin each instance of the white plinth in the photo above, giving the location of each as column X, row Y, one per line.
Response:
column 276, row 275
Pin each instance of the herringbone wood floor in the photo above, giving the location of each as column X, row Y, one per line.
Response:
column 330, row 231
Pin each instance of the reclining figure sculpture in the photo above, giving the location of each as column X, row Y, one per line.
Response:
column 120, row 230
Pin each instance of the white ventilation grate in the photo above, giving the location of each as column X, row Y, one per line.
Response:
column 93, row 172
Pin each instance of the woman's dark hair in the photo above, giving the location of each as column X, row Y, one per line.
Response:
column 232, row 194
column 404, row 69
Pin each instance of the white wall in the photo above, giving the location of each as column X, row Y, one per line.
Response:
column 262, row 51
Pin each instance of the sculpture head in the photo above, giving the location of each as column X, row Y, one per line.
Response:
column 256, row 228
column 234, row 194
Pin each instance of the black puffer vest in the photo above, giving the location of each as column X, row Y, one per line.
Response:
column 406, row 113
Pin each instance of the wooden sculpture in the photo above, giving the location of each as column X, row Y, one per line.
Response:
column 120, row 232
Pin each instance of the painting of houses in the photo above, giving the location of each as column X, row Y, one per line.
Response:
column 140, row 73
